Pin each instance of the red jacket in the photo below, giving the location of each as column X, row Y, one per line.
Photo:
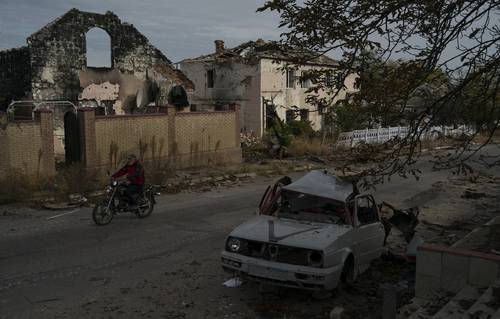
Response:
column 134, row 172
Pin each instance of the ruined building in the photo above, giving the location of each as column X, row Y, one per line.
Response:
column 73, row 111
column 53, row 71
column 251, row 75
column 53, row 66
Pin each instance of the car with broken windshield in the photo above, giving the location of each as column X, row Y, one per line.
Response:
column 312, row 234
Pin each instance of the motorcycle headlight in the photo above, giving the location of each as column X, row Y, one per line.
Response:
column 234, row 245
column 315, row 258
column 114, row 183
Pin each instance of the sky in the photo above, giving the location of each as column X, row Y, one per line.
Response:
column 179, row 28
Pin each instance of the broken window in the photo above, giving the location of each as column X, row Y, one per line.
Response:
column 301, row 206
column 98, row 46
column 271, row 115
column 290, row 79
column 290, row 115
column 210, row 78
column 304, row 115
column 304, row 82
column 367, row 213
column 321, row 108
column 329, row 79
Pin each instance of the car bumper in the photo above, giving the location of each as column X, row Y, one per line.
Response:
column 281, row 274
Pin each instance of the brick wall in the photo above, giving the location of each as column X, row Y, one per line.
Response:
column 144, row 135
column 28, row 147
column 177, row 139
column 206, row 138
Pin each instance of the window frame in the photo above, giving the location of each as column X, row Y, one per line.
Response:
column 290, row 79
column 210, row 78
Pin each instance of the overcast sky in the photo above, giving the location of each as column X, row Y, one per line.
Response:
column 179, row 28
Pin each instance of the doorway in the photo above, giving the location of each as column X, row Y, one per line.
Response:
column 71, row 138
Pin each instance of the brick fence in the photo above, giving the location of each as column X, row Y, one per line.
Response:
column 172, row 139
column 27, row 146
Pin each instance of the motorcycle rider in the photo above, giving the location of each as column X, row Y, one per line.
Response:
column 135, row 179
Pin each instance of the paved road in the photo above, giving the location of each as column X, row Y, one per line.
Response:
column 165, row 266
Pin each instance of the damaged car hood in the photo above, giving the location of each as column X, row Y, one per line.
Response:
column 289, row 232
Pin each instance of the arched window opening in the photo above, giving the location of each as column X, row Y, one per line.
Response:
column 98, row 48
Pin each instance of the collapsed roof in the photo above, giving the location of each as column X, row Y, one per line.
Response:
column 252, row 51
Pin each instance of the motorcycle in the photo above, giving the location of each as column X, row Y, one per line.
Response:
column 117, row 201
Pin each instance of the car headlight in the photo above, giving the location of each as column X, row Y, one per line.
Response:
column 315, row 258
column 234, row 245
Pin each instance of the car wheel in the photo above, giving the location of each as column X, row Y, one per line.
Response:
column 348, row 276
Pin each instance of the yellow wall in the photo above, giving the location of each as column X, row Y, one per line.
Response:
column 20, row 148
column 120, row 135
column 204, row 132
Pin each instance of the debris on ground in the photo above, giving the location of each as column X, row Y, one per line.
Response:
column 232, row 283
column 404, row 220
column 77, row 199
column 471, row 194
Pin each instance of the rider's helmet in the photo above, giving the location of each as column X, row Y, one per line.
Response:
column 131, row 157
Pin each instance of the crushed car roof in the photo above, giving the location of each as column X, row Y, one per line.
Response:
column 322, row 184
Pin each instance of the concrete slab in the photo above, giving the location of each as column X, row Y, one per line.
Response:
column 426, row 286
column 482, row 272
column 429, row 263
column 455, row 270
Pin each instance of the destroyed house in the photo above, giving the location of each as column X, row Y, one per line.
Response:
column 252, row 76
column 54, row 66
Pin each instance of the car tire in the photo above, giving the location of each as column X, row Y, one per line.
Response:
column 348, row 276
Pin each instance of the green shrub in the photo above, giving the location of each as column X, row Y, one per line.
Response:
column 300, row 128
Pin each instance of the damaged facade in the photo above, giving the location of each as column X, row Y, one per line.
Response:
column 53, row 66
column 251, row 75
column 68, row 111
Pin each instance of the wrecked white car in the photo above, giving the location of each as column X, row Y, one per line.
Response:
column 310, row 234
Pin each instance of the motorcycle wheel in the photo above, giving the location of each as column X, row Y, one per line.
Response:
column 102, row 215
column 146, row 207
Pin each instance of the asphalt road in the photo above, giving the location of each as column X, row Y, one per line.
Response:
column 165, row 266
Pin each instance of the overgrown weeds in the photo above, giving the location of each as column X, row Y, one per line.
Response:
column 68, row 180
column 302, row 146
column 76, row 179
column 17, row 187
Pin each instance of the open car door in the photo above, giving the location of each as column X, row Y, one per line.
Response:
column 269, row 202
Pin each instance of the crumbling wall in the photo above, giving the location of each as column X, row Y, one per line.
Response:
column 14, row 75
column 235, row 82
column 274, row 87
column 58, row 54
